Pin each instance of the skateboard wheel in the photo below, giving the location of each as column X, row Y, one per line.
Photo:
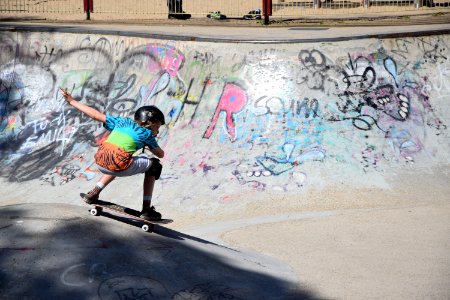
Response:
column 146, row 227
column 95, row 211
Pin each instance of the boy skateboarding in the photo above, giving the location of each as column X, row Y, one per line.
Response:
column 114, row 157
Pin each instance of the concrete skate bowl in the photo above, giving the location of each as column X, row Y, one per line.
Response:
column 248, row 124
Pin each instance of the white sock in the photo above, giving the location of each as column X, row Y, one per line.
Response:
column 147, row 201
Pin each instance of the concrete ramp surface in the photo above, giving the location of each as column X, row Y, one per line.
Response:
column 256, row 134
column 63, row 254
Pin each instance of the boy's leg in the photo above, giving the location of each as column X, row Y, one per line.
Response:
column 153, row 173
column 92, row 195
column 149, row 184
column 148, row 211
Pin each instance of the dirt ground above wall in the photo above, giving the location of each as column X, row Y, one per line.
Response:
column 442, row 16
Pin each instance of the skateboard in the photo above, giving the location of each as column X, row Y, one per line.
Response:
column 146, row 226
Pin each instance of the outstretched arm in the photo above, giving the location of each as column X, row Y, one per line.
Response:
column 91, row 112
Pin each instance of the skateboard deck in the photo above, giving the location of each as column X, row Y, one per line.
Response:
column 99, row 205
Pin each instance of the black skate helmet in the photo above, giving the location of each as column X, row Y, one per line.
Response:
column 149, row 113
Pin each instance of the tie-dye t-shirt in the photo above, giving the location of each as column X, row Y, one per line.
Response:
column 126, row 137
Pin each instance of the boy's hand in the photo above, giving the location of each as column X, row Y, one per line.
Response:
column 91, row 112
column 66, row 95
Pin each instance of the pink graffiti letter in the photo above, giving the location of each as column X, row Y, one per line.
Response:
column 232, row 100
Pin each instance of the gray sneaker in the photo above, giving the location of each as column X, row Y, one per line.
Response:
column 90, row 199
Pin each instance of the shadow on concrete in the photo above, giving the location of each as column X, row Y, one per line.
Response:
column 21, row 18
column 159, row 229
column 59, row 251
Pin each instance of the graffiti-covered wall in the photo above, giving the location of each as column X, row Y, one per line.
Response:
column 241, row 118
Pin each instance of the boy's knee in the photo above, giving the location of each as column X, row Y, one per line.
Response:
column 155, row 169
